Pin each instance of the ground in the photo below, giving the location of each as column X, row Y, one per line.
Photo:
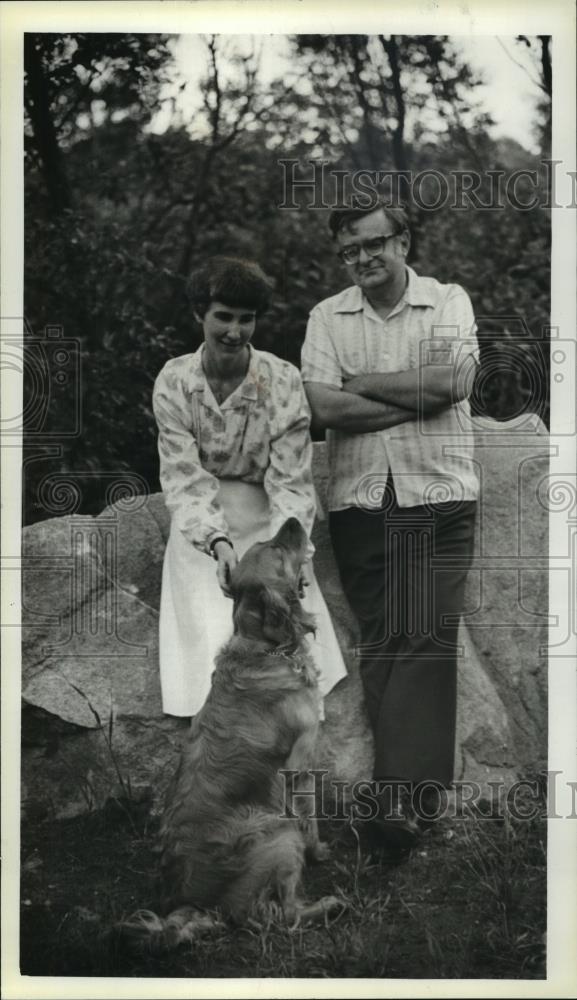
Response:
column 469, row 902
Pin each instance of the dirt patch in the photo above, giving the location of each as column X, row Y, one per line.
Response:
column 469, row 902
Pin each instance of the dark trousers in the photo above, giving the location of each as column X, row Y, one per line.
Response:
column 403, row 570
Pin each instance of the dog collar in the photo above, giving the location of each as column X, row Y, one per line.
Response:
column 300, row 664
column 296, row 664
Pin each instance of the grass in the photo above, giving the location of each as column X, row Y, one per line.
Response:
column 469, row 902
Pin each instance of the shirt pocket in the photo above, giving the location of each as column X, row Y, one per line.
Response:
column 354, row 358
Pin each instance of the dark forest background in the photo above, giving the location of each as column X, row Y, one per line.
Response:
column 116, row 216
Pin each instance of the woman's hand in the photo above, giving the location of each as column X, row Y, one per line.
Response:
column 226, row 561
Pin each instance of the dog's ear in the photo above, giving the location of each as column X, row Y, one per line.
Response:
column 266, row 613
column 284, row 621
column 277, row 625
column 247, row 614
column 261, row 613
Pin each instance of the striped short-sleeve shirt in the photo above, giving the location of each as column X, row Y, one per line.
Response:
column 431, row 459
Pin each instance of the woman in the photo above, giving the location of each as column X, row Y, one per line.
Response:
column 235, row 462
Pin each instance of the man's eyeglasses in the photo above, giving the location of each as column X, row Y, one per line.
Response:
column 372, row 248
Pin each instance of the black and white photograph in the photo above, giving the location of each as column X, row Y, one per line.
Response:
column 289, row 499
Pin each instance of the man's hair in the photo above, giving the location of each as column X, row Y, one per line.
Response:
column 341, row 218
column 235, row 282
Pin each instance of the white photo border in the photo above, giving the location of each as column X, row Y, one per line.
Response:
column 470, row 18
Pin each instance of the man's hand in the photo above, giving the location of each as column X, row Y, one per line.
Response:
column 226, row 561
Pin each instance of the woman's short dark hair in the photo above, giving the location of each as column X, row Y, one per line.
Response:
column 340, row 218
column 235, row 282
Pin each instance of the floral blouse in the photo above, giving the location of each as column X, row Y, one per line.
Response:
column 260, row 434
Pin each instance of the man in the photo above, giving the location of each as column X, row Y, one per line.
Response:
column 388, row 364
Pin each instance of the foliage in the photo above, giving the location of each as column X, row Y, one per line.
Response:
column 116, row 215
column 92, row 78
column 359, row 87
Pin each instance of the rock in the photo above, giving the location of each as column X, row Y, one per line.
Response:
column 67, row 772
column 137, row 547
column 507, row 592
column 56, row 556
column 107, row 664
column 91, row 590
column 484, row 745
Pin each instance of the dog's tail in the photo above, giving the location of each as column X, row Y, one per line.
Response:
column 146, row 931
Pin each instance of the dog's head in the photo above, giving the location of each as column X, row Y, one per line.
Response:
column 265, row 588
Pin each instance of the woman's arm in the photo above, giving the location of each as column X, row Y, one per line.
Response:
column 288, row 478
column 190, row 491
column 226, row 559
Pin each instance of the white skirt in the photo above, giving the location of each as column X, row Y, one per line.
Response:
column 196, row 617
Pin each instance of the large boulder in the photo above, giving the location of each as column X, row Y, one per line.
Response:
column 91, row 592
column 507, row 592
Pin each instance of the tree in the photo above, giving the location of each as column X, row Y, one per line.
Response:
column 374, row 87
column 74, row 77
column 540, row 72
column 229, row 109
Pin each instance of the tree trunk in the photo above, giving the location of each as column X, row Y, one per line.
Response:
column 546, row 63
column 38, row 107
column 357, row 67
column 398, row 140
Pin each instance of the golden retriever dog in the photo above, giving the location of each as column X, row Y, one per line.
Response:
column 227, row 844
